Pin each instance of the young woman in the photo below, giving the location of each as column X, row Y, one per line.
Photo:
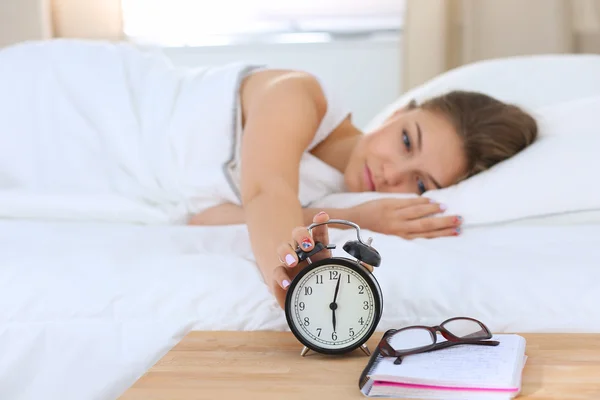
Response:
column 290, row 119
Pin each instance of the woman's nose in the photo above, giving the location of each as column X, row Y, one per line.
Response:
column 395, row 176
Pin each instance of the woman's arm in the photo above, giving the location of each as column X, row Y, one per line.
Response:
column 282, row 112
column 232, row 214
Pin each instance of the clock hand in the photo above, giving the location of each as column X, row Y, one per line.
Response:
column 333, row 311
column 337, row 287
column 333, row 304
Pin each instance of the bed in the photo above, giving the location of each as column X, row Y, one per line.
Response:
column 88, row 305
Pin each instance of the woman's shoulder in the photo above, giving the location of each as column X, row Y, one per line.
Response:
column 258, row 83
column 330, row 108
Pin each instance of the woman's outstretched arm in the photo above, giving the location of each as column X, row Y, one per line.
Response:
column 282, row 112
column 232, row 214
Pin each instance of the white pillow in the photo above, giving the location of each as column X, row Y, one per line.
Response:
column 556, row 175
column 569, row 117
column 529, row 81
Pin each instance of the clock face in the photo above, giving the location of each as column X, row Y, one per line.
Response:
column 333, row 321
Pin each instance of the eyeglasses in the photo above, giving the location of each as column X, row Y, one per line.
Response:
column 423, row 339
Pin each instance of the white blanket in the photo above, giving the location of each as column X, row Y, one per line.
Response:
column 87, row 126
column 85, row 309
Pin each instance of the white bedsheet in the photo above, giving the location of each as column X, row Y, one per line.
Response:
column 87, row 308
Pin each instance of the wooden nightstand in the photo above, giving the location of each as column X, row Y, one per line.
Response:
column 268, row 365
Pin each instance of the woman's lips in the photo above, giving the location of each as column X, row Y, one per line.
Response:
column 369, row 179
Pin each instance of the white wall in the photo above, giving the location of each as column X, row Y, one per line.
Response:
column 366, row 71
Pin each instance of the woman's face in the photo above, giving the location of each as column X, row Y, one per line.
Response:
column 412, row 152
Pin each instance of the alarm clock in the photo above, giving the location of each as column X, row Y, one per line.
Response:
column 334, row 305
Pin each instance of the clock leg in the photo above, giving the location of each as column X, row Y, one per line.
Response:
column 365, row 349
column 304, row 351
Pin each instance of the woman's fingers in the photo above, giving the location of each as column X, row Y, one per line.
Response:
column 421, row 210
column 302, row 238
column 411, row 201
column 287, row 251
column 403, row 203
column 423, row 225
column 281, row 276
column 287, row 255
column 436, row 234
column 419, row 220
column 321, row 233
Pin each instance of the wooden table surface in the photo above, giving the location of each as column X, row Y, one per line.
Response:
column 268, row 365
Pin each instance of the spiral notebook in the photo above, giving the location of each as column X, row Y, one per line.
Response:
column 459, row 372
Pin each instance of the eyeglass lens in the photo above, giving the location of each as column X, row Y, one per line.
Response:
column 411, row 339
column 465, row 329
column 415, row 338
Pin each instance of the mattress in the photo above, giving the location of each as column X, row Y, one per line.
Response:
column 87, row 308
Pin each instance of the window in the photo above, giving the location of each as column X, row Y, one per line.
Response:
column 193, row 22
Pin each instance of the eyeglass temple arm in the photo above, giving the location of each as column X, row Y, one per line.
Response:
column 480, row 342
column 444, row 345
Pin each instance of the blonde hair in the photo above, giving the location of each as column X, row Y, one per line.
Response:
column 492, row 131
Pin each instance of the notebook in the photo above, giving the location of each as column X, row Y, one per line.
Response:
column 460, row 372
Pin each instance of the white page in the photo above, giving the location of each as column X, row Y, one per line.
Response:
column 465, row 365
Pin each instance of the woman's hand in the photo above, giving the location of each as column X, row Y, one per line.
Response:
column 283, row 274
column 408, row 218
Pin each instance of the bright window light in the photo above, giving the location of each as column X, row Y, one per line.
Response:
column 194, row 22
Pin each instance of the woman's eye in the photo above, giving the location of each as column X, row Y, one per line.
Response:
column 421, row 186
column 406, row 139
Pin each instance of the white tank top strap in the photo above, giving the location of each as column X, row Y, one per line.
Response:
column 335, row 114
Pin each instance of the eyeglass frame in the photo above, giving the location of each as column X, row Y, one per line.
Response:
column 386, row 349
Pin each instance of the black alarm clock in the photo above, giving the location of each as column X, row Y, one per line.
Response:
column 334, row 305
